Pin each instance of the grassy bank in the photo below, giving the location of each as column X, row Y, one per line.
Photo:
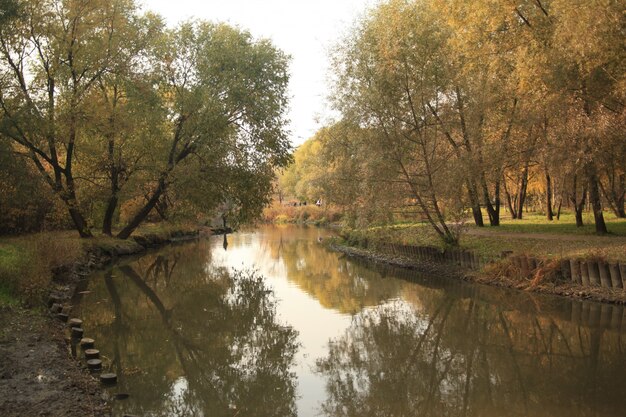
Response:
column 533, row 235
column 27, row 262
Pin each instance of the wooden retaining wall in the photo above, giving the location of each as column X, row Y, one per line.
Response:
column 588, row 272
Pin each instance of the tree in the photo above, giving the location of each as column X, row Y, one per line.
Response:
column 111, row 108
column 221, row 97
column 53, row 55
column 388, row 81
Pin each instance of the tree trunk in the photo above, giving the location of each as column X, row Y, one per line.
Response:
column 521, row 198
column 615, row 193
column 79, row 221
column 578, row 209
column 594, row 199
column 509, row 201
column 578, row 205
column 493, row 210
column 549, row 213
column 107, row 223
column 145, row 210
column 475, row 202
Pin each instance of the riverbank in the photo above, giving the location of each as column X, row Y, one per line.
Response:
column 499, row 273
column 38, row 375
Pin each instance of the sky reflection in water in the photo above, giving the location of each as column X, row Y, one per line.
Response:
column 309, row 332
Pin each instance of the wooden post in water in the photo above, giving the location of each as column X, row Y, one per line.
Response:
column 622, row 272
column 566, row 272
column 594, row 273
column 584, row 273
column 616, row 280
column 77, row 333
column 575, row 271
column 605, row 276
column 87, row 343
column 92, row 353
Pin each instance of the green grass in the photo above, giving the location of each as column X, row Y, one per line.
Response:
column 26, row 261
column 531, row 235
column 537, row 223
column 13, row 261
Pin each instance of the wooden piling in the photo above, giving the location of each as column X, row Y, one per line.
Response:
column 594, row 273
column 77, row 332
column 574, row 266
column 75, row 323
column 616, row 280
column 622, row 272
column 525, row 269
column 584, row 273
column 605, row 275
column 92, row 353
column 566, row 272
column 108, row 378
column 87, row 343
column 94, row 364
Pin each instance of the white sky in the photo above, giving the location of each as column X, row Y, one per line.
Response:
column 303, row 29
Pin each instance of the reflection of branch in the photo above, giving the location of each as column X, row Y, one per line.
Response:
column 165, row 316
column 130, row 273
column 518, row 371
column 422, row 338
column 485, row 363
column 434, row 384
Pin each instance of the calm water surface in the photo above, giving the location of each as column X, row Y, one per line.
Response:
column 276, row 325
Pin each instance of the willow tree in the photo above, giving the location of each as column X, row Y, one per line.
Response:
column 568, row 65
column 52, row 55
column 110, row 107
column 221, row 97
column 388, row 79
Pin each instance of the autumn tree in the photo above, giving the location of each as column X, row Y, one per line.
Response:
column 221, row 97
column 53, row 55
column 110, row 108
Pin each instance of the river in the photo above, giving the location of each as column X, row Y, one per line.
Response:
column 271, row 323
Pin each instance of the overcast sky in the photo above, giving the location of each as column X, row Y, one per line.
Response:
column 303, row 29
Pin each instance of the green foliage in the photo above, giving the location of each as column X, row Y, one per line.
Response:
column 121, row 116
column 450, row 107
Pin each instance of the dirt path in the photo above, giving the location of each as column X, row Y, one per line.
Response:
column 38, row 377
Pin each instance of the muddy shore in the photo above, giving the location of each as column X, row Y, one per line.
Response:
column 38, row 375
column 560, row 288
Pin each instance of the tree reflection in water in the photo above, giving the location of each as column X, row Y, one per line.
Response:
column 217, row 350
column 467, row 358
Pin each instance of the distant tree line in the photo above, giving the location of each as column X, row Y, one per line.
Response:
column 451, row 107
column 108, row 117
